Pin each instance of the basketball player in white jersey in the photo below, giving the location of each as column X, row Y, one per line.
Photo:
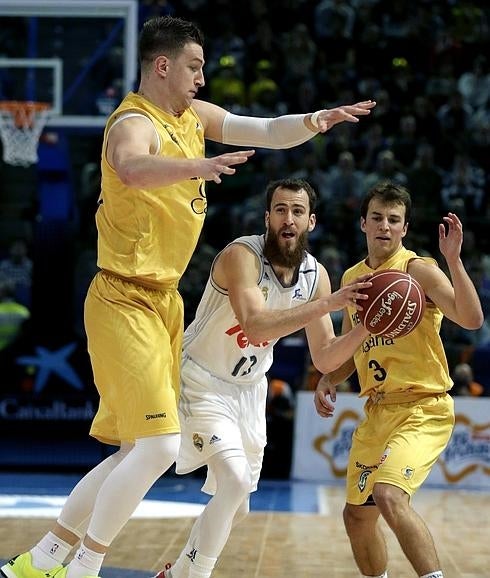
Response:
column 261, row 288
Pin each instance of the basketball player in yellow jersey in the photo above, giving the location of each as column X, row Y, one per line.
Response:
column 409, row 415
column 150, row 215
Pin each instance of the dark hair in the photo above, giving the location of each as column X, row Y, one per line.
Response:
column 294, row 185
column 388, row 193
column 168, row 35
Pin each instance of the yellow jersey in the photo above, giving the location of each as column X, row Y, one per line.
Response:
column 414, row 364
column 149, row 235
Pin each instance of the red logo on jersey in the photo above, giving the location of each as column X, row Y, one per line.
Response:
column 242, row 339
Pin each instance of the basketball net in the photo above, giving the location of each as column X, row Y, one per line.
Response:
column 21, row 124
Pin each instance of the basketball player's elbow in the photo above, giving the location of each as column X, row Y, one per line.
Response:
column 327, row 367
column 258, row 327
column 325, row 363
column 255, row 335
column 473, row 321
column 334, row 363
column 130, row 176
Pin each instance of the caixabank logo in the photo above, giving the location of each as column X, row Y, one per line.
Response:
column 49, row 388
column 48, row 362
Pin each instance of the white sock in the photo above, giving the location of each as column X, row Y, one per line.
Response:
column 384, row 575
column 436, row 574
column 86, row 562
column 180, row 568
column 201, row 566
column 49, row 552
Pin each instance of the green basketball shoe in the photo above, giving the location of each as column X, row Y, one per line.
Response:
column 21, row 567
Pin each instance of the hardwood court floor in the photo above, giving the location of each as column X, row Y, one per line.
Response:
column 276, row 544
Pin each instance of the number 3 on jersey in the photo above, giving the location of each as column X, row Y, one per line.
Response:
column 379, row 374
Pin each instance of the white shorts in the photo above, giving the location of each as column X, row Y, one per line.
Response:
column 217, row 415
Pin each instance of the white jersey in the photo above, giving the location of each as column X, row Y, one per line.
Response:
column 215, row 340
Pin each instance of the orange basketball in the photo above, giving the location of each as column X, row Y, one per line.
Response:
column 395, row 306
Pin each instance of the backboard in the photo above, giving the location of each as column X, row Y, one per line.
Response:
column 78, row 56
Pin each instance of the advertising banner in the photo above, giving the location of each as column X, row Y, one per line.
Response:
column 321, row 446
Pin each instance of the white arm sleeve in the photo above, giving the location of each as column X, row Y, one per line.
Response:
column 282, row 132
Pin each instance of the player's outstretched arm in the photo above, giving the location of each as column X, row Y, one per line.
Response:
column 236, row 270
column 281, row 132
column 131, row 148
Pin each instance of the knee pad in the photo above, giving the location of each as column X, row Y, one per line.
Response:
column 232, row 471
column 159, row 450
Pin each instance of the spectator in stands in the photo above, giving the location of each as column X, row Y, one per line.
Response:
column 426, row 121
column 373, row 142
column 387, row 169
column 442, row 83
column 299, row 51
column 228, row 81
column 425, row 179
column 404, row 143
column 305, row 164
column 263, row 43
column 454, row 119
column 17, row 267
column 227, row 41
column 333, row 25
column 279, row 414
column 264, row 96
column 344, row 188
column 402, row 84
column 474, row 84
column 151, row 8
column 13, row 315
column 479, row 142
column 454, row 115
column 468, row 23
column 388, row 113
column 345, row 180
column 464, row 382
column 464, row 187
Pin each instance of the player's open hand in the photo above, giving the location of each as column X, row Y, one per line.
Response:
column 350, row 294
column 330, row 117
column 214, row 167
column 450, row 237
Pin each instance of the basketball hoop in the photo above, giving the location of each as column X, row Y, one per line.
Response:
column 21, row 124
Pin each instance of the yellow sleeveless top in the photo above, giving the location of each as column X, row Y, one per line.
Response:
column 149, row 235
column 413, row 364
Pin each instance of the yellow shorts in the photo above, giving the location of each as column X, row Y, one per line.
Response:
column 398, row 444
column 135, row 342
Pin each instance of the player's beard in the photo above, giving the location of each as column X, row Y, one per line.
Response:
column 285, row 256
